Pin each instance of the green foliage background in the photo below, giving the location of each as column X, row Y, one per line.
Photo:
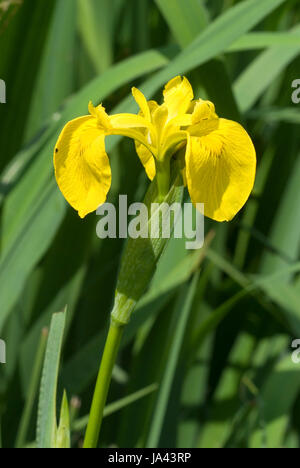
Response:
column 217, row 348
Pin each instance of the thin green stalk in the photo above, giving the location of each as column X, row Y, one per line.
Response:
column 163, row 176
column 32, row 391
column 103, row 382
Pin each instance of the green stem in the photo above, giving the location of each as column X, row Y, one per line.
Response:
column 103, row 382
column 163, row 177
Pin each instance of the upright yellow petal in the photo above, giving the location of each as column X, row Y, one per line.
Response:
column 100, row 115
column 82, row 166
column 220, row 170
column 137, row 127
column 127, row 121
column 178, row 94
column 142, row 103
column 204, row 118
column 146, row 157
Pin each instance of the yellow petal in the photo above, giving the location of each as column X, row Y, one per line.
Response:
column 82, row 166
column 135, row 127
column 100, row 115
column 142, row 103
column 160, row 117
column 178, row 94
column 203, row 110
column 147, row 159
column 144, row 153
column 204, row 118
column 127, row 121
column 220, row 169
column 173, row 142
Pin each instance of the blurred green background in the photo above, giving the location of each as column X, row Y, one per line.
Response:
column 215, row 351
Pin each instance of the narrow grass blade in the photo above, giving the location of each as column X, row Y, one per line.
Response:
column 186, row 19
column 262, row 40
column 58, row 63
column 214, row 40
column 63, row 438
column 267, row 66
column 47, row 424
column 32, row 21
column 95, row 24
column 276, row 115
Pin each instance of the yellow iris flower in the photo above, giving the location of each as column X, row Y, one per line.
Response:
column 216, row 155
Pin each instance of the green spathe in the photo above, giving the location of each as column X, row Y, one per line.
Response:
column 140, row 257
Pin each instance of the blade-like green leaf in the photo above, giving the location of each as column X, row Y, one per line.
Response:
column 262, row 40
column 288, row 215
column 20, row 62
column 55, row 80
column 63, row 436
column 47, row 424
column 276, row 115
column 215, row 39
column 267, row 66
column 186, row 19
column 95, row 25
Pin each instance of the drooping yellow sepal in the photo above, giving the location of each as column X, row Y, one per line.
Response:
column 220, row 170
column 82, row 166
